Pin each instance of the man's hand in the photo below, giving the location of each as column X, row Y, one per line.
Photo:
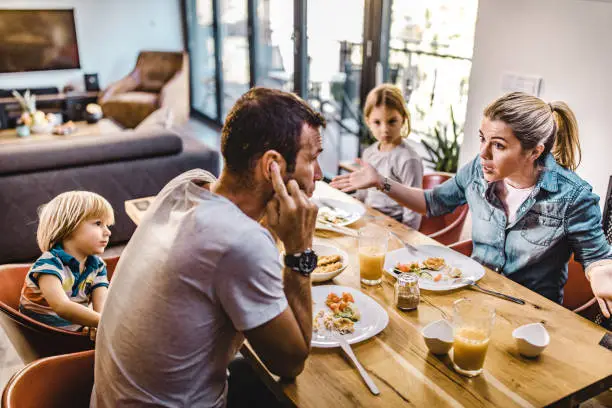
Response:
column 291, row 215
column 601, row 283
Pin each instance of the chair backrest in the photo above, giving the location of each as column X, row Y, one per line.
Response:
column 53, row 382
column 446, row 228
column 433, row 179
column 155, row 68
column 464, row 247
column 577, row 293
column 31, row 338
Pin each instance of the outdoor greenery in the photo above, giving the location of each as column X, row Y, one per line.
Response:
column 444, row 150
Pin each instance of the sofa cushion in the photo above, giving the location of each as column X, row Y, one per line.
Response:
column 128, row 113
column 22, row 194
column 87, row 150
column 142, row 98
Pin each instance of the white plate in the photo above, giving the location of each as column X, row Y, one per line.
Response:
column 322, row 250
column 373, row 317
column 470, row 268
column 353, row 211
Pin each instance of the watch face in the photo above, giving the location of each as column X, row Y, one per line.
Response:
column 308, row 261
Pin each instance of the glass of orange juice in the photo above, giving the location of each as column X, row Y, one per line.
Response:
column 472, row 324
column 373, row 241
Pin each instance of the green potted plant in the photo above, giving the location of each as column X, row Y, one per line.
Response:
column 444, row 150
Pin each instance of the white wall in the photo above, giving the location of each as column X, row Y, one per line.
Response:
column 567, row 42
column 110, row 34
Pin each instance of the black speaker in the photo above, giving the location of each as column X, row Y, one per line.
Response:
column 91, row 82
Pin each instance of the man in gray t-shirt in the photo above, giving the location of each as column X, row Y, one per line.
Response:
column 200, row 273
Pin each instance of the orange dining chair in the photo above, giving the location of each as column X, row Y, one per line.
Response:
column 464, row 247
column 577, row 293
column 52, row 382
column 31, row 338
column 446, row 228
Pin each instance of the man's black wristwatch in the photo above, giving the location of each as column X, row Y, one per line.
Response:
column 302, row 262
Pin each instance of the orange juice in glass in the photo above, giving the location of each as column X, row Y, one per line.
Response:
column 472, row 332
column 373, row 243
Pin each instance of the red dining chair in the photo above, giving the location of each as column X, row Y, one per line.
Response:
column 52, row 382
column 31, row 338
column 433, row 179
column 446, row 228
column 465, row 247
column 577, row 293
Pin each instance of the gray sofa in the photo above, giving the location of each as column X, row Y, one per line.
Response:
column 119, row 166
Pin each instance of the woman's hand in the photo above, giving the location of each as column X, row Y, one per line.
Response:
column 365, row 177
column 601, row 283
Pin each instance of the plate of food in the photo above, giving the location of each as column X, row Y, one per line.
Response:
column 337, row 212
column 332, row 261
column 439, row 268
column 352, row 314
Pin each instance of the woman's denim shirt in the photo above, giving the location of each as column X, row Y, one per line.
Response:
column 559, row 217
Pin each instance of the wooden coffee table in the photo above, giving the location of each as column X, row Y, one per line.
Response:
column 83, row 129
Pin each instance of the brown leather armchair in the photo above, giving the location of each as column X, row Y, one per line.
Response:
column 158, row 81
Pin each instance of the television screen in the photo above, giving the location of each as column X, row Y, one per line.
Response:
column 36, row 40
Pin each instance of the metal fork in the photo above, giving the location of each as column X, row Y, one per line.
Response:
column 349, row 352
column 411, row 248
column 328, row 205
column 473, row 283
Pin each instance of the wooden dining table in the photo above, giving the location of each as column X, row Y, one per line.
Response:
column 573, row 368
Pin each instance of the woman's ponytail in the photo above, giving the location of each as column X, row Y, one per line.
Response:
column 566, row 149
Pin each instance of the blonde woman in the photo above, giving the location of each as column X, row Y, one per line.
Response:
column 69, row 275
column 388, row 119
column 530, row 210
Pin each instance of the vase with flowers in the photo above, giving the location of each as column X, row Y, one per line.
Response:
column 35, row 120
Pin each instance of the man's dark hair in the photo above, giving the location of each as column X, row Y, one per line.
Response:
column 265, row 119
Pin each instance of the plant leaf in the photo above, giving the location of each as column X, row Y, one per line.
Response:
column 432, row 153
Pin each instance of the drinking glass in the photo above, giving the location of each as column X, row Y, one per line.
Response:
column 373, row 243
column 472, row 325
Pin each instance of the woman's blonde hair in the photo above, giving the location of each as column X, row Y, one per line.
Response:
column 62, row 215
column 389, row 96
column 535, row 122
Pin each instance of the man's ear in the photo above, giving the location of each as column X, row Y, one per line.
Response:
column 269, row 157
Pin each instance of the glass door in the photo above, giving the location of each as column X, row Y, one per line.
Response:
column 335, row 37
column 430, row 53
column 274, row 44
column 201, row 46
column 335, row 31
column 234, row 49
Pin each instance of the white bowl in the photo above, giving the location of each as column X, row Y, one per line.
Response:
column 438, row 336
column 42, row 128
column 322, row 250
column 531, row 339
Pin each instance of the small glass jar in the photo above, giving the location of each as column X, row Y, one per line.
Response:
column 407, row 293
